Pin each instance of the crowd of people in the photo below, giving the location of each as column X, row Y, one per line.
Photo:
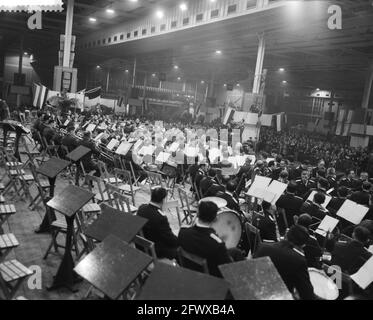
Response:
column 307, row 163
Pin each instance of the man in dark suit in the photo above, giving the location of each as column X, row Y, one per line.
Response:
column 289, row 259
column 157, row 229
column 266, row 223
column 70, row 141
column 350, row 182
column 290, row 204
column 322, row 186
column 206, row 182
column 87, row 161
column 312, row 249
column 314, row 208
column 304, row 184
column 202, row 240
column 362, row 197
column 336, row 202
column 229, row 196
column 350, row 256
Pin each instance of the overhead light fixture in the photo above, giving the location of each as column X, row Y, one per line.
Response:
column 126, row 71
column 176, row 67
column 238, row 84
column 153, row 75
column 225, row 84
column 98, row 67
column 159, row 14
column 218, row 51
column 133, row 0
column 183, row 7
column 281, row 69
column 92, row 19
column 212, row 1
column 178, row 78
column 317, row 89
column 110, row 11
column 202, row 82
column 25, row 53
column 284, row 81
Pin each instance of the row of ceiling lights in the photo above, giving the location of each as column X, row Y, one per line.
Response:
column 159, row 13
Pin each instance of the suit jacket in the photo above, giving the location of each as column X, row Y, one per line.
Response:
column 313, row 253
column 70, row 142
column 87, row 159
column 303, row 188
column 349, row 256
column 314, row 210
column 361, row 197
column 204, row 242
column 158, row 230
column 214, row 190
column 291, row 204
column 291, row 265
column 266, row 225
column 205, row 184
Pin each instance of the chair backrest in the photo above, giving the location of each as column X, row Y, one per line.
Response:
column 103, row 169
column 187, row 260
column 183, row 196
column 91, row 180
column 146, row 246
column 253, row 237
column 122, row 202
column 124, row 175
column 155, row 179
column 111, row 189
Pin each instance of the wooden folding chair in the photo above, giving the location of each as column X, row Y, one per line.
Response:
column 42, row 186
column 7, row 243
column 105, row 176
column 186, row 207
column 155, row 180
column 185, row 260
column 253, row 237
column 174, row 204
column 102, row 194
column 12, row 274
column 123, row 180
column 123, row 203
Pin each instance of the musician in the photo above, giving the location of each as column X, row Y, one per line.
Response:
column 362, row 197
column 304, row 184
column 364, row 176
column 88, row 163
column 349, row 181
column 207, row 181
column 229, row 196
column 284, row 177
column 157, row 228
column 70, row 141
column 289, row 259
column 320, row 168
column 202, row 240
column 312, row 249
column 291, row 205
column 315, row 208
column 266, row 223
column 4, row 110
column 296, row 174
column 336, row 202
column 332, row 178
column 322, row 187
column 350, row 256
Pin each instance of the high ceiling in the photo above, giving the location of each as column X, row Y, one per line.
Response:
column 299, row 41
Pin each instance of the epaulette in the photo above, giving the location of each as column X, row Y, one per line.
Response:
column 298, row 251
column 299, row 180
column 216, row 238
column 161, row 212
column 311, row 181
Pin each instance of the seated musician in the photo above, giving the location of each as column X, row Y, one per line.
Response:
column 266, row 223
column 349, row 181
column 336, row 202
column 217, row 187
column 312, row 249
column 88, row 163
column 289, row 259
column 362, row 197
column 350, row 256
column 332, row 178
column 364, row 176
column 4, row 110
column 202, row 240
column 304, row 184
column 290, row 204
column 322, row 187
column 158, row 229
column 314, row 208
column 70, row 141
column 229, row 195
column 207, row 181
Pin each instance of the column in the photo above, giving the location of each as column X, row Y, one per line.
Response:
column 68, row 32
column 20, row 62
column 107, row 80
column 367, row 87
column 259, row 64
column 134, row 73
column 261, row 3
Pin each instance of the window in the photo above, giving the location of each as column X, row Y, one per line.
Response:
column 173, row 24
column 251, row 4
column 232, row 8
column 185, row 21
column 199, row 17
column 214, row 13
column 152, row 30
column 115, row 38
column 98, row 42
column 135, row 33
column 143, row 32
column 85, row 45
column 121, row 37
column 128, row 35
column 163, row 27
column 109, row 40
column 103, row 41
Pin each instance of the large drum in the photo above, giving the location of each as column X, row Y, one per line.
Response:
column 229, row 228
column 323, row 286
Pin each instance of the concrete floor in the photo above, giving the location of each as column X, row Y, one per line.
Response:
column 33, row 246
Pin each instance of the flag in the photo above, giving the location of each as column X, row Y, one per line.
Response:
column 93, row 94
column 81, row 91
column 36, row 95
column 42, row 96
column 121, row 101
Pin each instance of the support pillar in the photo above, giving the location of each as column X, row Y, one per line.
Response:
column 20, row 62
column 259, row 64
column 134, row 73
column 68, row 32
column 367, row 87
column 107, row 80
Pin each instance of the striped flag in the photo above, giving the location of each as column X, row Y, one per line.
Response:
column 36, row 95
column 93, row 93
column 40, row 95
column 121, row 101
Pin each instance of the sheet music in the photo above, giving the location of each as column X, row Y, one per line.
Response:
column 190, row 151
column 364, row 277
column 147, row 150
column 123, row 148
column 214, row 154
column 112, row 144
column 352, row 212
column 99, row 137
column 276, row 188
column 326, row 202
column 66, row 122
column 370, row 249
column 326, row 225
column 163, row 157
column 174, row 146
column 91, row 127
column 257, row 189
column 138, row 144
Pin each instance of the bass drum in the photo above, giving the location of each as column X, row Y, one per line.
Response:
column 229, row 228
column 323, row 286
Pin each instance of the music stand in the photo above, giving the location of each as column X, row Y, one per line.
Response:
column 256, row 279
column 167, row 282
column 68, row 202
column 114, row 222
column 112, row 266
column 75, row 157
column 51, row 169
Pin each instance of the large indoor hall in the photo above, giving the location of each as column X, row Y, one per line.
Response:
column 189, row 153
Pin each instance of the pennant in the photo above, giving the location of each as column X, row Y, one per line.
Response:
column 93, row 94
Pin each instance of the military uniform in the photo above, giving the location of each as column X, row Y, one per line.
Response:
column 303, row 187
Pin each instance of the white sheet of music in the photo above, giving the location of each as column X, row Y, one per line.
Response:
column 277, row 188
column 66, row 123
column 268, row 160
column 174, row 146
column 251, row 118
column 214, row 154
column 163, row 157
column 352, row 212
column 112, row 144
column 370, row 249
column 269, row 196
column 326, row 202
column 91, row 127
column 258, row 187
column 138, row 144
column 147, row 150
column 364, row 277
column 123, row 148
column 99, row 136
column 190, row 151
column 326, row 225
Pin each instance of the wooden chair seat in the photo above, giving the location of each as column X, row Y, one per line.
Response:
column 44, row 183
column 192, row 209
column 28, row 177
column 13, row 270
column 14, row 173
column 2, row 199
column 112, row 180
column 6, row 209
column 132, row 209
column 91, row 208
column 8, row 241
column 2, row 187
column 127, row 188
column 103, row 197
column 13, row 164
